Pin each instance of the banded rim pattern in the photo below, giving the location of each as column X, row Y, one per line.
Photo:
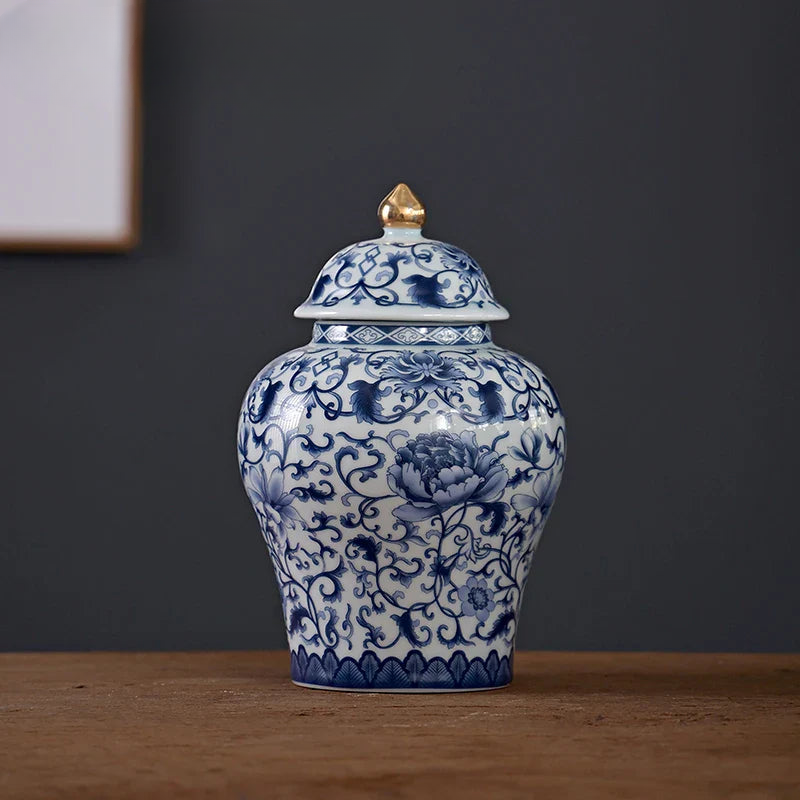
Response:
column 405, row 335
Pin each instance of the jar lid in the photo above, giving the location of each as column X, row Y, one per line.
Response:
column 402, row 276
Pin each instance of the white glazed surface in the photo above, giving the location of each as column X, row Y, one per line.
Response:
column 401, row 490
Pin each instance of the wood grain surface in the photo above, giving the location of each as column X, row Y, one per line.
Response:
column 572, row 725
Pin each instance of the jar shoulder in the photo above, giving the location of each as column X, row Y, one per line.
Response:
column 482, row 385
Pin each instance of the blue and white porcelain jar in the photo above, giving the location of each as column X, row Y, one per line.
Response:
column 402, row 467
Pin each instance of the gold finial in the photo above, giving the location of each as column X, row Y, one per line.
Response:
column 401, row 208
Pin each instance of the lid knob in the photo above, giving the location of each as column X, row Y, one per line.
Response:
column 401, row 208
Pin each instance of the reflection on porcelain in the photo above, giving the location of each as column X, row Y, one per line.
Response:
column 401, row 471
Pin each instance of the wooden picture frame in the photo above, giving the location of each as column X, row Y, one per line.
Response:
column 70, row 139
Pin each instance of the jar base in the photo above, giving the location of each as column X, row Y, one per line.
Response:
column 362, row 690
column 413, row 672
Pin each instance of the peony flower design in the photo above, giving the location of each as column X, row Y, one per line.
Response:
column 476, row 599
column 423, row 369
column 270, row 501
column 436, row 471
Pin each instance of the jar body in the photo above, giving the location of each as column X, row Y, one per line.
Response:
column 401, row 476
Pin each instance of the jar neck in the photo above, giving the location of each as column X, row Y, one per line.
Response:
column 407, row 334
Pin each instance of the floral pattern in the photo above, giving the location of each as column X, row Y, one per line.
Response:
column 401, row 493
column 476, row 598
column 423, row 273
column 437, row 471
column 484, row 384
column 271, row 503
column 423, row 369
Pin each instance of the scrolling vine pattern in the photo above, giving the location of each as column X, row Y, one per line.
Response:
column 437, row 529
column 426, row 273
column 481, row 385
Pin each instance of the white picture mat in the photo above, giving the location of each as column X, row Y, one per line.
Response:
column 66, row 120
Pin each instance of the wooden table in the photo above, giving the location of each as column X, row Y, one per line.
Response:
column 582, row 725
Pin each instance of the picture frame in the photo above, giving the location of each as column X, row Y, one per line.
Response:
column 70, row 138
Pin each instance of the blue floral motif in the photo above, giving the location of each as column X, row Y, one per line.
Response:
column 272, row 504
column 437, row 471
column 476, row 599
column 480, row 385
column 459, row 260
column 530, row 446
column 545, row 486
column 423, row 369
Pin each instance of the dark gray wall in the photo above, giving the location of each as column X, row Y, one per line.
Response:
column 626, row 173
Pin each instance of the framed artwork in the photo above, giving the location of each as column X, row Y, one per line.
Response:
column 70, row 77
